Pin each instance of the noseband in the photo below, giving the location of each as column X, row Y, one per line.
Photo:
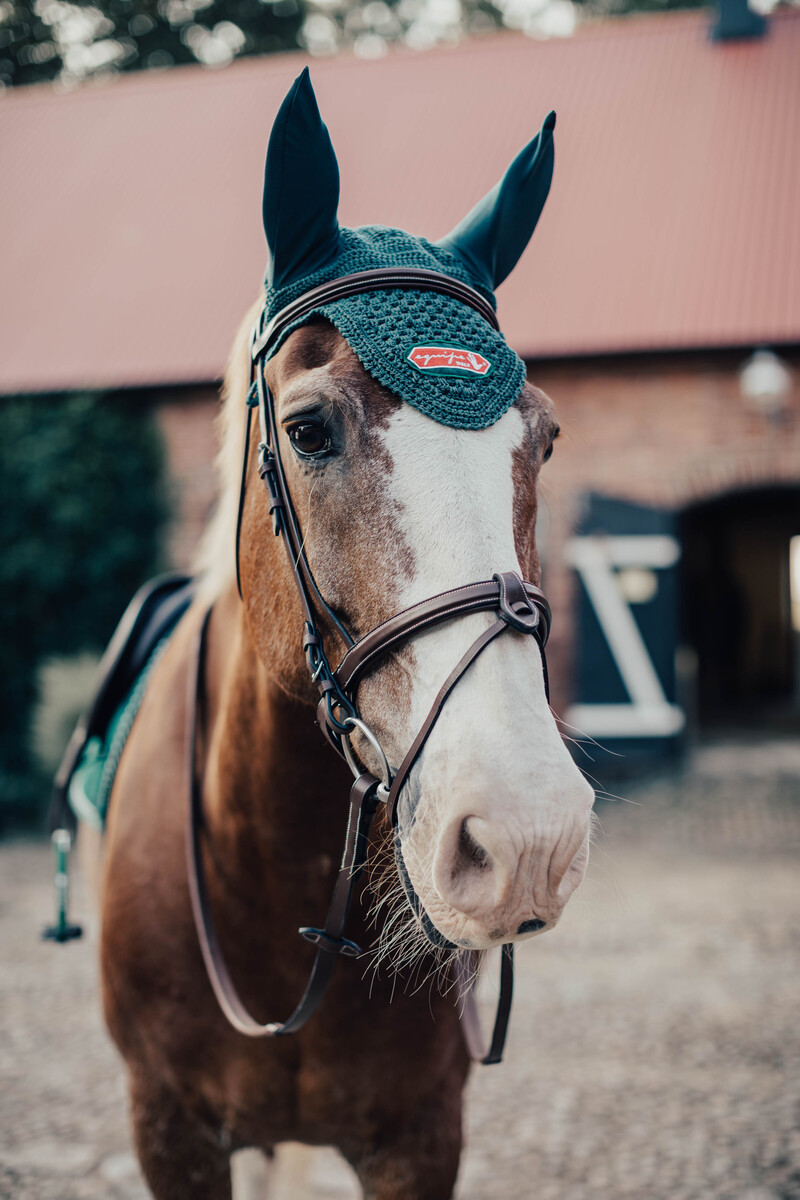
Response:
column 517, row 605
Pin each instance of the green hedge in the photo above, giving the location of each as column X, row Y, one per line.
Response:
column 82, row 507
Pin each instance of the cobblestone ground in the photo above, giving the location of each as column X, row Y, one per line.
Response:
column 654, row 1048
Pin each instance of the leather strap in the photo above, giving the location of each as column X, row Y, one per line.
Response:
column 329, row 940
column 470, row 1020
column 402, row 278
column 458, row 602
column 511, row 596
column 415, row 749
column 248, row 421
column 507, row 581
column 511, row 588
column 270, row 469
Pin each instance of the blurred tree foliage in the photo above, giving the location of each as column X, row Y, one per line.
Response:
column 49, row 39
column 82, row 505
column 71, row 40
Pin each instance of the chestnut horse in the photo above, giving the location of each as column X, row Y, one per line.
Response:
column 493, row 821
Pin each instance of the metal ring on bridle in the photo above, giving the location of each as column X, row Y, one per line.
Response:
column 355, row 767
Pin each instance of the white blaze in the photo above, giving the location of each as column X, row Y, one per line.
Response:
column 455, row 493
column 454, row 490
column 495, row 752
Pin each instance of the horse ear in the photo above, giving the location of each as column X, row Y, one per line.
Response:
column 301, row 189
column 491, row 238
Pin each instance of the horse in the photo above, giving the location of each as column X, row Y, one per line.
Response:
column 396, row 496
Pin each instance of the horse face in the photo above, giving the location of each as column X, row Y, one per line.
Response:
column 494, row 821
column 396, row 507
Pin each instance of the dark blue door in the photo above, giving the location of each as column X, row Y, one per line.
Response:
column 625, row 557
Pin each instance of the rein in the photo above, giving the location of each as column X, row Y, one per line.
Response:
column 518, row 605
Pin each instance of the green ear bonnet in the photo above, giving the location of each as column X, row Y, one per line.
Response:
column 434, row 352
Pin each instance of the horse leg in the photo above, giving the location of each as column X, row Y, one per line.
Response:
column 420, row 1160
column 251, row 1173
column 179, row 1156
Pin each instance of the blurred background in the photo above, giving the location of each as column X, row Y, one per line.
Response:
column 658, row 304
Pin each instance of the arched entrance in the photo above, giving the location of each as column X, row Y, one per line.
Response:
column 737, row 597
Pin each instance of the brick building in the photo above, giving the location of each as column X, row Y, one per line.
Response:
column 668, row 254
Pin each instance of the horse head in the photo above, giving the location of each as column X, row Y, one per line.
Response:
column 411, row 446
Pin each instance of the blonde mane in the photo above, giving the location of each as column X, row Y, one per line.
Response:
column 215, row 560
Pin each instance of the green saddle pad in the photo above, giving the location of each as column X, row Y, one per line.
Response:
column 92, row 781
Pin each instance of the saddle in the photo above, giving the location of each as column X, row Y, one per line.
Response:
column 83, row 780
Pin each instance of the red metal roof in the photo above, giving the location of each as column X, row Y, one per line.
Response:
column 132, row 240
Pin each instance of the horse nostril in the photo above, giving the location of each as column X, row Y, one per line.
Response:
column 531, row 926
column 470, row 850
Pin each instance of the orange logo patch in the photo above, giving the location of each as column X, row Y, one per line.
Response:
column 448, row 360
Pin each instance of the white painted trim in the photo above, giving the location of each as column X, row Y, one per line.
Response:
column 626, row 720
column 629, row 550
column 649, row 713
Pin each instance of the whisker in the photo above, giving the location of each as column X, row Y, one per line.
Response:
column 587, row 737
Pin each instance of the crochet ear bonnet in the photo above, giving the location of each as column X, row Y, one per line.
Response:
column 433, row 352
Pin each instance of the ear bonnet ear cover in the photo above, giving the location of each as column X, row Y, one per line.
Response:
column 434, row 352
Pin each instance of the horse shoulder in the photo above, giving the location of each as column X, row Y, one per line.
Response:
column 149, row 955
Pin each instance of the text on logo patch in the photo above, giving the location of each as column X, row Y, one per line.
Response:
column 448, row 360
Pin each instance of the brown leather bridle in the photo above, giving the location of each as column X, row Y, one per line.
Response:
column 519, row 605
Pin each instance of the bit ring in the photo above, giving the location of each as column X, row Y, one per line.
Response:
column 355, row 767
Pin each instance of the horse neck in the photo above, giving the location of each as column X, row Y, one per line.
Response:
column 271, row 784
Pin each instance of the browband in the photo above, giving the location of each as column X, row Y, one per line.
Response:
column 404, row 278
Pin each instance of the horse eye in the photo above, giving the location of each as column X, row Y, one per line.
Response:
column 310, row 439
column 549, row 451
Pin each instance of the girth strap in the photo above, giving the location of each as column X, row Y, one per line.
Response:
column 329, row 940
